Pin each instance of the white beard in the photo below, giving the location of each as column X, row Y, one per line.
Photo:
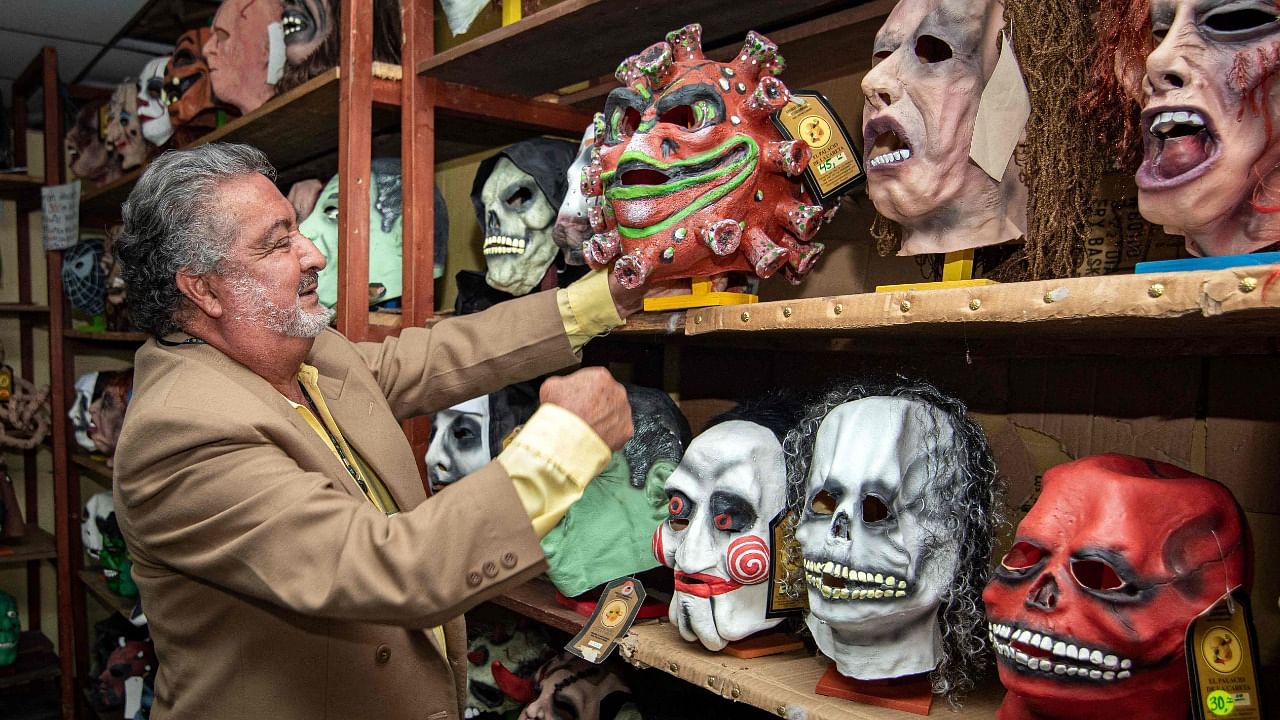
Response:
column 256, row 306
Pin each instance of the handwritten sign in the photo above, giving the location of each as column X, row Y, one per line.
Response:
column 61, row 204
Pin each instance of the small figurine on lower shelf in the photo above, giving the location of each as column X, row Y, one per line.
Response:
column 10, row 629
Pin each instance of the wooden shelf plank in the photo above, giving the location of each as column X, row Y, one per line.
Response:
column 781, row 684
column 95, row 465
column 11, row 182
column 536, row 600
column 96, row 585
column 107, row 336
column 579, row 40
column 36, row 545
column 36, row 661
column 23, row 309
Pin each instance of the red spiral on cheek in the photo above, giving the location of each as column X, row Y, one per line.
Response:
column 749, row 560
column 658, row 551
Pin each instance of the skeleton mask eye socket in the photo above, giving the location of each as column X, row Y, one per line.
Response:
column 824, row 503
column 679, row 509
column 1242, row 24
column 930, row 49
column 1022, row 556
column 874, row 510
column 1097, row 574
column 518, row 198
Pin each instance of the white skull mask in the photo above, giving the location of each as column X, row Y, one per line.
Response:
column 518, row 217
column 459, row 441
column 152, row 112
column 572, row 225
column 878, row 555
column 570, row 687
column 730, row 484
column 96, row 511
column 79, row 412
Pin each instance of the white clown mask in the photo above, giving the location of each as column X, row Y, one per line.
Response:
column 153, row 113
column 96, row 511
column 878, row 555
column 79, row 412
column 729, row 486
column 518, row 218
column 459, row 441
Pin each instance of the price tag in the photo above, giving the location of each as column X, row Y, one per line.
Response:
column 783, row 571
column 617, row 609
column 834, row 165
column 1222, row 662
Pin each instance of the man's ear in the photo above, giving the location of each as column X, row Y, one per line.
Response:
column 198, row 290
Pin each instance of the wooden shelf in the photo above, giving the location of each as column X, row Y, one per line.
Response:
column 110, row 337
column 580, row 40
column 11, row 182
column 781, row 684
column 23, row 309
column 37, row 545
column 36, row 661
column 95, row 465
column 96, row 585
column 536, row 600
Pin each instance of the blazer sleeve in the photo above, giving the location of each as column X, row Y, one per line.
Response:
column 221, row 502
column 425, row 370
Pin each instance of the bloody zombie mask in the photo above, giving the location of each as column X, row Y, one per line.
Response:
column 516, row 194
column 106, row 413
column 86, row 149
column 131, row 658
column 124, row 133
column 730, row 485
column 245, row 52
column 572, row 227
column 459, row 441
column 10, row 629
column 153, row 114
column 1088, row 610
column 1211, row 156
column 695, row 179
column 117, row 566
column 932, row 62
column 570, row 688
column 894, row 491
column 186, row 79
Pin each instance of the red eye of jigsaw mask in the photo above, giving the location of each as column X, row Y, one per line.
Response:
column 1114, row 560
column 695, row 180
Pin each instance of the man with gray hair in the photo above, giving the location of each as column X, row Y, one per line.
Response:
column 289, row 561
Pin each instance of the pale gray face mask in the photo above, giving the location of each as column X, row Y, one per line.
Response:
column 459, row 443
column 518, row 217
column 572, row 225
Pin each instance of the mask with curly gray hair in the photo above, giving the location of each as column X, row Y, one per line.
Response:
column 894, row 495
column 172, row 224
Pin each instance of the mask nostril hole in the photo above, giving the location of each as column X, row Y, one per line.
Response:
column 884, row 98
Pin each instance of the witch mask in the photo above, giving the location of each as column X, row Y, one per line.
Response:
column 932, row 61
column 694, row 178
column 730, row 485
column 1088, row 610
column 895, row 495
column 1211, row 161
column 459, row 442
column 246, row 52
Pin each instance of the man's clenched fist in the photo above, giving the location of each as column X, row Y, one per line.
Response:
column 593, row 395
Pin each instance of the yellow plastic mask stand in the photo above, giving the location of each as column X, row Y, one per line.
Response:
column 957, row 271
column 700, row 295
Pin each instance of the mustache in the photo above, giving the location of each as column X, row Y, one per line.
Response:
column 308, row 282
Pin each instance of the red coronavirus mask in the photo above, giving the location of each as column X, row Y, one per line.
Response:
column 1089, row 609
column 695, row 179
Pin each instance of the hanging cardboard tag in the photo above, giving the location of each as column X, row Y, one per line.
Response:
column 834, row 164
column 1222, row 661
column 1003, row 111
column 782, row 570
column 615, row 612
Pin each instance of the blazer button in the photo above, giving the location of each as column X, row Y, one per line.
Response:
column 383, row 655
column 474, row 579
column 490, row 569
column 509, row 560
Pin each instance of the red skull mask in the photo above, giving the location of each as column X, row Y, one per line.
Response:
column 694, row 177
column 1088, row 610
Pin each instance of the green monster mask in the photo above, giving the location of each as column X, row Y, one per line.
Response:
column 117, row 568
column 9, row 629
column 385, row 232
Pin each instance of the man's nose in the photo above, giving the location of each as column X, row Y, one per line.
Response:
column 309, row 256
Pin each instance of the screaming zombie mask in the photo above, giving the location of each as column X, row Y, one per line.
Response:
column 10, row 629
column 246, row 52
column 106, row 413
column 895, row 495
column 124, row 133
column 729, row 487
column 96, row 513
column 312, row 37
column 1088, row 610
column 186, row 79
column 573, row 228
column 516, row 194
column 933, row 59
column 153, row 114
column 570, row 688
column 695, row 179
column 459, row 441
column 1211, row 159
column 86, row 148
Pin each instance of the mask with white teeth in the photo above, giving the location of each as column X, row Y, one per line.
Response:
column 932, row 61
column 894, row 489
column 10, row 629
column 516, row 194
column 1211, row 161
column 1087, row 611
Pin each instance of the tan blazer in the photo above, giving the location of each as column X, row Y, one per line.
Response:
column 273, row 588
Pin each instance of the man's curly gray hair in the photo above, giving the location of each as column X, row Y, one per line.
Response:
column 172, row 225
column 970, row 504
